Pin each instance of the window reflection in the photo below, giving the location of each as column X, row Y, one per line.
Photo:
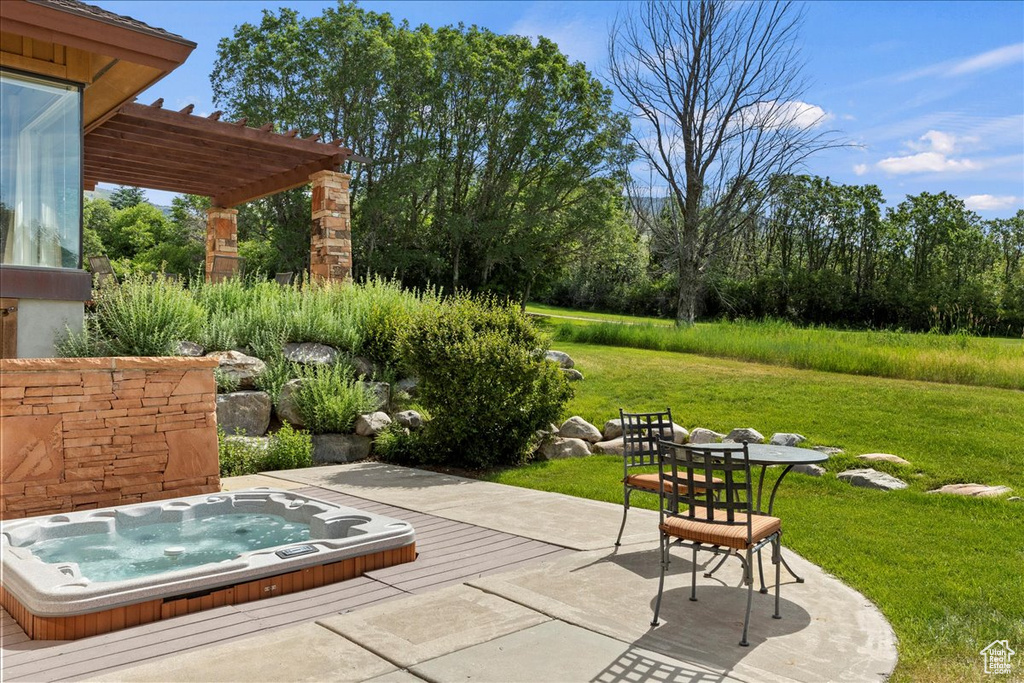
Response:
column 40, row 172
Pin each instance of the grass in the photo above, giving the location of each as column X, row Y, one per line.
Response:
column 953, row 359
column 945, row 571
column 593, row 316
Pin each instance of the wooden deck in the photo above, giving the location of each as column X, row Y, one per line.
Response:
column 450, row 553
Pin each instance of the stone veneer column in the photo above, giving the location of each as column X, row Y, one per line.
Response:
column 221, row 235
column 330, row 248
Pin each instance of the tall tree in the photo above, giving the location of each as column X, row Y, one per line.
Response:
column 715, row 91
column 125, row 197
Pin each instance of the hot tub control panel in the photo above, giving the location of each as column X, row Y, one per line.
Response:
column 296, row 550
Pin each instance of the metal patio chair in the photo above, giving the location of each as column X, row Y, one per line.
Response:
column 640, row 435
column 285, row 279
column 724, row 523
column 226, row 267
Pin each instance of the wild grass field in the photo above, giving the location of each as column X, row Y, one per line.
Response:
column 947, row 572
column 954, row 359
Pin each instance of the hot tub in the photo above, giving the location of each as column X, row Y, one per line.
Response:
column 71, row 575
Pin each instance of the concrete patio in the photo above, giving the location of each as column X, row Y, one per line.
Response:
column 577, row 615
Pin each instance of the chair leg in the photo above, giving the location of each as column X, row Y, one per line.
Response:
column 663, row 546
column 748, row 578
column 709, row 574
column 693, row 577
column 625, row 509
column 777, row 558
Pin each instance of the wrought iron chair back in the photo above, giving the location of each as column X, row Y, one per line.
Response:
column 225, row 267
column 641, row 433
column 102, row 270
column 725, row 478
column 286, row 278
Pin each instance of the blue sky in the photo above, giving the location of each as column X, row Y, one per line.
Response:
column 930, row 93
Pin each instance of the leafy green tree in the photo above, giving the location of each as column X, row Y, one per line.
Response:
column 125, row 197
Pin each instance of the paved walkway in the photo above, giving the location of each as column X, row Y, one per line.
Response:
column 581, row 616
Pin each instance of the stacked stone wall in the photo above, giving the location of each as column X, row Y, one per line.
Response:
column 331, row 237
column 95, row 432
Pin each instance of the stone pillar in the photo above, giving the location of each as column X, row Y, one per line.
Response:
column 221, row 235
column 330, row 248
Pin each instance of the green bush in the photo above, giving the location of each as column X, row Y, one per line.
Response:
column 226, row 382
column 286, row 449
column 330, row 400
column 143, row 317
column 484, row 380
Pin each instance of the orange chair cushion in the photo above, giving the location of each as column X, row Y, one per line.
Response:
column 729, row 536
column 651, row 482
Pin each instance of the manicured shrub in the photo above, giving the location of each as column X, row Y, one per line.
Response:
column 286, row 449
column 484, row 381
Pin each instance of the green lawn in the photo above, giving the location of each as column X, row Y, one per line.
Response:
column 954, row 359
column 592, row 316
column 947, row 572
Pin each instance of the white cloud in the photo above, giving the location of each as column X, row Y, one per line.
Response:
column 985, row 61
column 861, row 169
column 988, row 202
column 925, row 162
column 795, row 114
column 936, row 141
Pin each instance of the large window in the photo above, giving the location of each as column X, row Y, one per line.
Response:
column 40, row 172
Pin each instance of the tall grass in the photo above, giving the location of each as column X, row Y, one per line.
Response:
column 952, row 359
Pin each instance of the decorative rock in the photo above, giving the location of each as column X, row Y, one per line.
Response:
column 364, row 367
column 679, row 434
column 829, row 450
column 872, row 479
column 810, row 470
column 701, row 435
column 748, row 434
column 247, row 412
column 786, row 439
column 572, row 375
column 973, row 490
column 614, row 446
column 883, row 457
column 558, row 447
column 308, row 352
column 340, row 448
column 187, row 348
column 408, row 386
column 287, row 409
column 578, row 428
column 612, row 429
column 1015, row 499
column 409, row 419
column 240, row 366
column 382, row 390
column 560, row 357
column 372, row 424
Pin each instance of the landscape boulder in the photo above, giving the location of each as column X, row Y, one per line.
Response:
column 701, row 435
column 614, row 446
column 238, row 366
column 261, row 443
column 287, row 407
column 679, row 434
column 560, row 357
column 340, row 448
column 245, row 412
column 809, row 469
column 829, row 450
column 409, row 419
column 372, row 424
column 364, row 367
column 786, row 439
column 973, row 490
column 741, row 434
column 408, row 386
column 572, row 375
column 311, row 353
column 187, row 348
column 558, row 447
column 612, row 429
column 872, row 479
column 578, row 428
column 883, row 457
column 381, row 390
